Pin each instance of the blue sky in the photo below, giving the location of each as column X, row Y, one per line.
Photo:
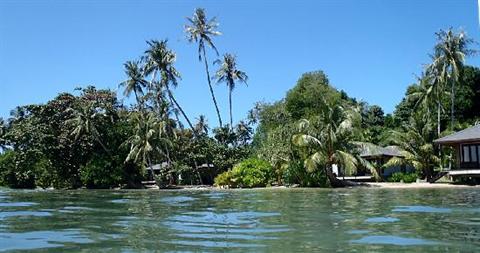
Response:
column 371, row 49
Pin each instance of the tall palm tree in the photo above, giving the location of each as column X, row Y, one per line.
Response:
column 201, row 30
column 438, row 90
column 416, row 146
column 201, row 127
column 229, row 73
column 332, row 141
column 135, row 81
column 159, row 61
column 85, row 124
column 430, row 93
column 450, row 53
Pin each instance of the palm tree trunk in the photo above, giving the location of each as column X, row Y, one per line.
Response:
column 170, row 94
column 332, row 178
column 438, row 118
column 453, row 106
column 175, row 112
column 140, row 103
column 230, row 104
column 210, row 87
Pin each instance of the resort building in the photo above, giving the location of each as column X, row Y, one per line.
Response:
column 467, row 151
column 378, row 156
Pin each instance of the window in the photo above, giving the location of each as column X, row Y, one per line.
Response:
column 466, row 153
column 473, row 152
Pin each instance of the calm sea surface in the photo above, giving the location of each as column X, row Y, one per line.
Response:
column 264, row 220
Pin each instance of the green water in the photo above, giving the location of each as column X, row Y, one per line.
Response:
column 275, row 220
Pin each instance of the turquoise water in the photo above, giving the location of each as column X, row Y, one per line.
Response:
column 264, row 220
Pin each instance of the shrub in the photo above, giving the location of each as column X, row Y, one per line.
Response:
column 249, row 173
column 405, row 177
column 100, row 173
column 296, row 173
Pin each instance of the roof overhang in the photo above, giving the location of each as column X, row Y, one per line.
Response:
column 456, row 142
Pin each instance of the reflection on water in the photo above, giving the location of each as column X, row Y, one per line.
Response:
column 394, row 240
column 265, row 220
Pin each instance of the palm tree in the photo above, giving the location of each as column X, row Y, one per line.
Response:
column 160, row 60
column 135, row 82
column 230, row 74
column 416, row 146
column 201, row 30
column 450, row 52
column 430, row 93
column 332, row 141
column 201, row 127
column 438, row 90
column 142, row 142
column 84, row 123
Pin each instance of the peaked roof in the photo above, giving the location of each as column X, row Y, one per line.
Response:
column 371, row 150
column 466, row 135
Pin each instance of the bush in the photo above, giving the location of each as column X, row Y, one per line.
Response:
column 296, row 173
column 249, row 173
column 101, row 173
column 405, row 177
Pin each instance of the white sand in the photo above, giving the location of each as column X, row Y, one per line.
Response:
column 419, row 185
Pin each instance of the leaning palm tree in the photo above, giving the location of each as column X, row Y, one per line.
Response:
column 201, row 30
column 135, row 81
column 331, row 138
column 159, row 62
column 417, row 151
column 450, row 53
column 229, row 73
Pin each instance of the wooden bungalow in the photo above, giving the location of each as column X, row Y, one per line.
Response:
column 378, row 157
column 467, row 151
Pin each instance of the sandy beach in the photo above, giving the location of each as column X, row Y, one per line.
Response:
column 419, row 185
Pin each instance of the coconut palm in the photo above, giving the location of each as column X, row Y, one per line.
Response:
column 429, row 94
column 147, row 130
column 159, row 61
column 84, row 122
column 450, row 53
column 229, row 73
column 331, row 138
column 201, row 30
column 415, row 142
column 135, row 81
column 201, row 127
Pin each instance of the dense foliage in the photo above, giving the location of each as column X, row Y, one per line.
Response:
column 92, row 140
column 249, row 173
column 403, row 177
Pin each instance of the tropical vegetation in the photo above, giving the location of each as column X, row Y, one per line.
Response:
column 91, row 138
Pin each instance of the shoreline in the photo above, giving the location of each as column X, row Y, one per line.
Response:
column 422, row 185
column 364, row 185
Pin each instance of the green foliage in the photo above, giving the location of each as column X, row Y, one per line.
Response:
column 415, row 141
column 303, row 101
column 101, row 172
column 248, row 173
column 296, row 173
column 403, row 177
